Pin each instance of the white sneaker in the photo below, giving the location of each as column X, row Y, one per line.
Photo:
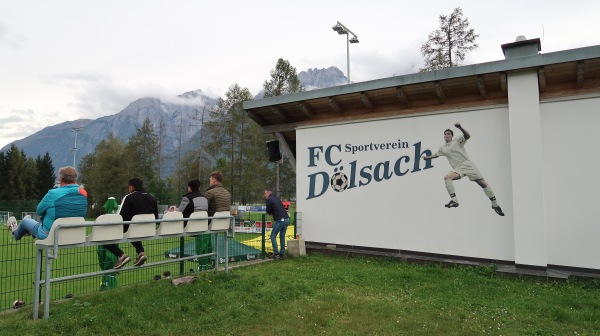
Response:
column 11, row 223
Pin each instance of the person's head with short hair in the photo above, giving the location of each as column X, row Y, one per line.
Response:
column 448, row 134
column 67, row 175
column 216, row 177
column 268, row 193
column 136, row 183
column 194, row 185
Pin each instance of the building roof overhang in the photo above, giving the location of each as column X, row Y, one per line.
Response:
column 568, row 72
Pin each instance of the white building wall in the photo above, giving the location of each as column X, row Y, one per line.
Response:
column 540, row 159
column 407, row 212
column 570, row 133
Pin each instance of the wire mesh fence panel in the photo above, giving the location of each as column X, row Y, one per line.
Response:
column 19, row 206
column 31, row 214
column 4, row 217
column 17, row 261
column 253, row 229
column 17, row 269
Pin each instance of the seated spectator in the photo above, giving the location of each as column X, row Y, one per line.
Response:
column 68, row 200
column 193, row 201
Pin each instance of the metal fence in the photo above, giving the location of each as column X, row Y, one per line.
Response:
column 17, row 260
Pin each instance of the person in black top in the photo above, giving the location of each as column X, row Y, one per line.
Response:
column 193, row 201
column 137, row 202
column 276, row 209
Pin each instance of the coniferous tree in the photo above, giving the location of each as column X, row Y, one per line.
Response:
column 3, row 176
column 104, row 172
column 143, row 150
column 447, row 46
column 234, row 139
column 284, row 80
column 46, row 177
column 31, row 180
column 15, row 167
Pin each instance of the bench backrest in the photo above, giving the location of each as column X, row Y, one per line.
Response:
column 220, row 224
column 198, row 222
column 66, row 235
column 171, row 228
column 141, row 230
column 106, row 232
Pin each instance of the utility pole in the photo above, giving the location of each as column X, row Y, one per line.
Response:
column 277, row 178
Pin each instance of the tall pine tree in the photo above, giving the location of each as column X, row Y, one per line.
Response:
column 46, row 177
column 143, row 151
column 234, row 142
column 15, row 167
column 447, row 47
column 284, row 80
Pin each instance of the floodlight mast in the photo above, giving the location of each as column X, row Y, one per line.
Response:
column 343, row 30
column 74, row 149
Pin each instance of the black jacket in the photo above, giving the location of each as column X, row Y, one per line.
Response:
column 136, row 203
column 275, row 208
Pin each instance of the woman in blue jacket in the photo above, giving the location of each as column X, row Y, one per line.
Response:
column 68, row 200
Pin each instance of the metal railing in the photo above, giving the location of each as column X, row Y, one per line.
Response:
column 17, row 261
column 75, row 231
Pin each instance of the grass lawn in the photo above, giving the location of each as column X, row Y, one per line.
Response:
column 329, row 295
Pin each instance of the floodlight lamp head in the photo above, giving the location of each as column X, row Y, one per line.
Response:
column 340, row 29
column 354, row 40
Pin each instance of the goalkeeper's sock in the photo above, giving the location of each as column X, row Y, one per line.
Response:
column 490, row 194
column 450, row 188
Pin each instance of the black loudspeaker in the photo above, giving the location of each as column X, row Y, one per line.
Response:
column 273, row 151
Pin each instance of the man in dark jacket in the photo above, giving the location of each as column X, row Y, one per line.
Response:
column 276, row 209
column 193, row 201
column 137, row 202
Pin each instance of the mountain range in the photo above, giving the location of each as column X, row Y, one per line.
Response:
column 179, row 119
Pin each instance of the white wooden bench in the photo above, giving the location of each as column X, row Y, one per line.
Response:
column 70, row 232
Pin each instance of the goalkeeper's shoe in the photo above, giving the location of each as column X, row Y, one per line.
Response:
column 498, row 210
column 451, row 204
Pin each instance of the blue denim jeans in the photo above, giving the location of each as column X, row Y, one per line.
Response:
column 280, row 227
column 29, row 225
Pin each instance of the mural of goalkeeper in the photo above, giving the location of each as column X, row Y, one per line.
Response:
column 454, row 151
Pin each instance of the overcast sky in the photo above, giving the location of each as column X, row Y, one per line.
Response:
column 65, row 60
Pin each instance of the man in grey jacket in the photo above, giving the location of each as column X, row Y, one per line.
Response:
column 193, row 201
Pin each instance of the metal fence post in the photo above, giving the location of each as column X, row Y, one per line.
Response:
column 264, row 230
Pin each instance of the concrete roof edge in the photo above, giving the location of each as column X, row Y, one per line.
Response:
column 563, row 56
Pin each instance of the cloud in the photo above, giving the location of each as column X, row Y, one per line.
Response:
column 402, row 61
column 94, row 95
column 19, row 124
column 9, row 39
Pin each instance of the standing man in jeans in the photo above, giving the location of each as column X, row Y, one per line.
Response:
column 137, row 202
column 276, row 209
